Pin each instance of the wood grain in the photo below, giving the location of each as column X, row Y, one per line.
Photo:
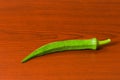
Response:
column 28, row 24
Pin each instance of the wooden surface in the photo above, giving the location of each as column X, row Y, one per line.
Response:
column 28, row 24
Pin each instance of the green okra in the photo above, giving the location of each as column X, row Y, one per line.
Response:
column 67, row 45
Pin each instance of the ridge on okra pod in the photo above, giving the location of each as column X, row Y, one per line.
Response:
column 76, row 44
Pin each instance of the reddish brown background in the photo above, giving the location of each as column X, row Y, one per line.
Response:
column 27, row 24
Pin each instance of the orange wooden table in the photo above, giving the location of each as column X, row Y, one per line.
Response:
column 28, row 24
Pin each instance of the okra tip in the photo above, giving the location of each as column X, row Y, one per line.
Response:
column 27, row 58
